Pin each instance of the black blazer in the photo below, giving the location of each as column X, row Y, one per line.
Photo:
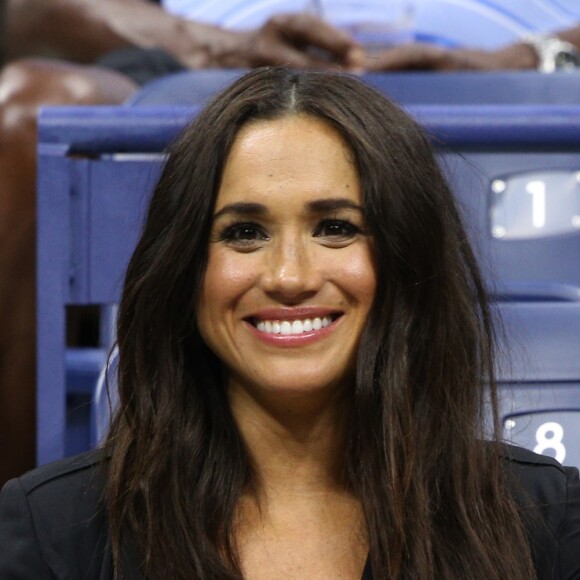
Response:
column 52, row 525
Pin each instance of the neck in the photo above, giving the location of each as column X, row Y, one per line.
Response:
column 296, row 443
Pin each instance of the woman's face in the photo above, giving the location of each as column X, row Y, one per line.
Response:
column 290, row 278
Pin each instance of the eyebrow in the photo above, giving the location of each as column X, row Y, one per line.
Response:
column 242, row 208
column 317, row 206
column 333, row 204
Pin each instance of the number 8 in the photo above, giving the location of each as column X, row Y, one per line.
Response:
column 553, row 442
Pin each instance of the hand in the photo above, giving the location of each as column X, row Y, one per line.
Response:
column 298, row 40
column 424, row 56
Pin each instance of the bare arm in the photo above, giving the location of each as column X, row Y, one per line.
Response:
column 84, row 30
column 421, row 56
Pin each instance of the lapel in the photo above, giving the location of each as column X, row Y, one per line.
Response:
column 129, row 564
column 367, row 572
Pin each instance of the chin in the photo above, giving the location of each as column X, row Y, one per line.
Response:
column 300, row 386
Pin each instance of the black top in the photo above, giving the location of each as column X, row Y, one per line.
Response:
column 52, row 525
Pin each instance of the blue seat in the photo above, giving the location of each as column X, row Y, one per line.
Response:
column 82, row 368
column 408, row 88
column 540, row 381
column 97, row 167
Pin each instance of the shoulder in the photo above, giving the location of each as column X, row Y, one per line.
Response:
column 51, row 517
column 67, row 490
column 80, row 469
column 548, row 497
column 537, row 473
column 540, row 481
column 539, row 477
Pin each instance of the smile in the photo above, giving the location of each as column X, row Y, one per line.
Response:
column 289, row 327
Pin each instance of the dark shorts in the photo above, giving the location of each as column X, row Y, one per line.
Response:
column 141, row 64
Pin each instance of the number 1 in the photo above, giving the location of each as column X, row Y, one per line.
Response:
column 537, row 189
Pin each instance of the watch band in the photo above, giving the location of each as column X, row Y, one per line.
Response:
column 553, row 53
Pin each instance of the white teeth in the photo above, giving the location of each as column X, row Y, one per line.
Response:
column 289, row 327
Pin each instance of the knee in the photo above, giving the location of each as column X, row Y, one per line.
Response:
column 17, row 113
column 27, row 85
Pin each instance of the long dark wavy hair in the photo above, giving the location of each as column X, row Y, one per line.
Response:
column 434, row 496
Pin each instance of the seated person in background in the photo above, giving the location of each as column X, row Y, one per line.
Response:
column 82, row 31
column 482, row 34
column 464, row 35
column 76, row 35
column 306, row 350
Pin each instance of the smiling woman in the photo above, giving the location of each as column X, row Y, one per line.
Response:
column 305, row 352
column 290, row 278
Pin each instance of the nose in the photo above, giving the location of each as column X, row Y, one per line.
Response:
column 292, row 272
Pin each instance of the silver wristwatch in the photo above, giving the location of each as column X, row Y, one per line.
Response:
column 553, row 54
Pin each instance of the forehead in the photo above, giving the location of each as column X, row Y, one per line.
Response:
column 294, row 155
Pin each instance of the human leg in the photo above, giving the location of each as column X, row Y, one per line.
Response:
column 24, row 87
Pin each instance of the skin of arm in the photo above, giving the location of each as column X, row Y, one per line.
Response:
column 84, row 30
column 423, row 56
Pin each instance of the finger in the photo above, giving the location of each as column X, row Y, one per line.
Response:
column 303, row 30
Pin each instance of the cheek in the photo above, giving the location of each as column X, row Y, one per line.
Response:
column 226, row 278
column 358, row 277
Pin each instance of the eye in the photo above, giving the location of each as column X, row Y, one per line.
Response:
column 245, row 235
column 336, row 231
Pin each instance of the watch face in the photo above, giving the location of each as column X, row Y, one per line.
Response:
column 565, row 60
